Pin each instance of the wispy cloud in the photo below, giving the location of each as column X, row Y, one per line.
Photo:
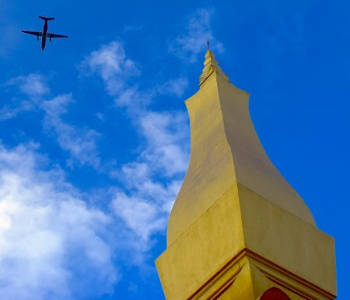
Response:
column 198, row 31
column 111, row 63
column 166, row 134
column 118, row 72
column 49, row 236
column 154, row 178
column 150, row 182
column 33, row 86
column 79, row 143
column 141, row 216
column 174, row 87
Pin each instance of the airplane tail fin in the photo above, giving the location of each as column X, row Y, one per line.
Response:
column 46, row 18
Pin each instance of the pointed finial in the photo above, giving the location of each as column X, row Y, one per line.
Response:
column 210, row 66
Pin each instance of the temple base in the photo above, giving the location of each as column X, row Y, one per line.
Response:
column 249, row 276
column 243, row 246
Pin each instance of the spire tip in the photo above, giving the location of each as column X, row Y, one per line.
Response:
column 210, row 66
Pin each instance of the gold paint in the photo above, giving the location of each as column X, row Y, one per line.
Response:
column 237, row 227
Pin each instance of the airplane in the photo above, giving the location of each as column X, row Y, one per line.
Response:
column 44, row 34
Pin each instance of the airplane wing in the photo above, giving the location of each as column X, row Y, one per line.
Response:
column 36, row 33
column 53, row 35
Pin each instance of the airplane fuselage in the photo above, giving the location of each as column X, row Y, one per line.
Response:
column 43, row 39
column 44, row 34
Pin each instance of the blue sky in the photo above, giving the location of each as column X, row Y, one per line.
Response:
column 94, row 138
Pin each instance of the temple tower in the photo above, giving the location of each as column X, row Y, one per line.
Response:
column 238, row 230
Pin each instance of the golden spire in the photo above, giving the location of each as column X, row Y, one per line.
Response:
column 237, row 229
column 210, row 65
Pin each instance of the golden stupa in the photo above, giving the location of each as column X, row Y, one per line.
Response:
column 238, row 230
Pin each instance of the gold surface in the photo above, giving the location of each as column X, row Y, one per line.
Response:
column 237, row 227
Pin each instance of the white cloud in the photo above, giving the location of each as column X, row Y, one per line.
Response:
column 194, row 40
column 151, row 181
column 110, row 60
column 115, row 69
column 166, row 135
column 140, row 216
column 111, row 63
column 144, row 208
column 7, row 112
column 133, row 99
column 33, row 86
column 81, row 144
column 49, row 236
column 175, row 87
